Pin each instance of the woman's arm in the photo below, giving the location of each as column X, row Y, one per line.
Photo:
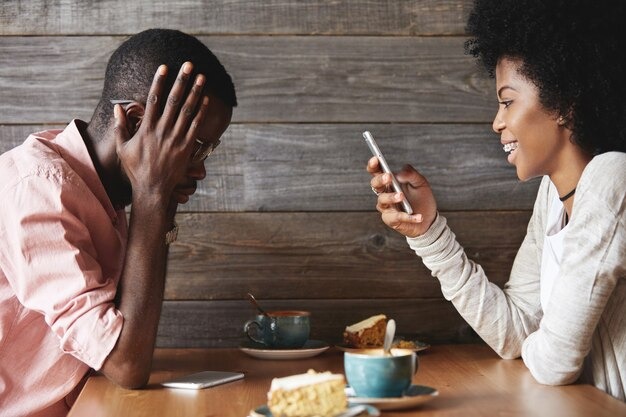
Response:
column 502, row 317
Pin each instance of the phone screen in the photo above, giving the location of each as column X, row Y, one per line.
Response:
column 371, row 143
column 203, row 379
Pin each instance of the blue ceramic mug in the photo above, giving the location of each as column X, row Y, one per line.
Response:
column 279, row 329
column 373, row 375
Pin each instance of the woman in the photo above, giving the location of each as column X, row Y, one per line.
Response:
column 561, row 85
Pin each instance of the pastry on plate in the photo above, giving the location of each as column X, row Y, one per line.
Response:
column 308, row 395
column 368, row 333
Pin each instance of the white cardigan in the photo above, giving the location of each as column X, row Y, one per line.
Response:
column 582, row 331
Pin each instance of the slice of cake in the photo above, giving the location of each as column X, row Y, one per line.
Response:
column 367, row 333
column 308, row 395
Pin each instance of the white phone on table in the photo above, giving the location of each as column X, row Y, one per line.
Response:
column 371, row 143
column 203, row 379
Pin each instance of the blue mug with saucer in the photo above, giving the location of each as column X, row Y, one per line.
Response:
column 372, row 374
column 279, row 329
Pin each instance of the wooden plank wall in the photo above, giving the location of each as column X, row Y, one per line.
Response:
column 286, row 211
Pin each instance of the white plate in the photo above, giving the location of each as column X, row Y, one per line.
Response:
column 419, row 346
column 263, row 411
column 310, row 349
column 414, row 396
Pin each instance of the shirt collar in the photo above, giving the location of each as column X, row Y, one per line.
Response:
column 72, row 148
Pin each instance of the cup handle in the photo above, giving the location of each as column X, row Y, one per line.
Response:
column 246, row 329
column 414, row 363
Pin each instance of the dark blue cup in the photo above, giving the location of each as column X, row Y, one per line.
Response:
column 280, row 329
column 373, row 375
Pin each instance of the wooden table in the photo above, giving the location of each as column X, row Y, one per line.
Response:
column 471, row 379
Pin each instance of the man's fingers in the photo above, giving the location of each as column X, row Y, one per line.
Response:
column 194, row 129
column 188, row 110
column 151, row 114
column 175, row 97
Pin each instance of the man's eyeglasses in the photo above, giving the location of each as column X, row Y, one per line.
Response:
column 202, row 148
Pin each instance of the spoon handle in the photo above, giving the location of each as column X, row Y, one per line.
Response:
column 256, row 304
column 390, row 332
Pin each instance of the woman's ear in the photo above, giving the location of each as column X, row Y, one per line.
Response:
column 134, row 115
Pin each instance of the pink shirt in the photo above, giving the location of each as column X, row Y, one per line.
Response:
column 62, row 247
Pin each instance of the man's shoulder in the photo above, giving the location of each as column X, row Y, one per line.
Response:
column 35, row 143
column 37, row 155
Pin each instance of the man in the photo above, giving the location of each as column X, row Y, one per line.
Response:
column 80, row 287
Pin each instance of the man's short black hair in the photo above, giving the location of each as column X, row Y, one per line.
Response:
column 574, row 51
column 132, row 66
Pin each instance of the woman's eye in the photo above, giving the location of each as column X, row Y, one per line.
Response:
column 506, row 103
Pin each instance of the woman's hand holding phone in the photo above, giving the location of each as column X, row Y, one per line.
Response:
column 371, row 143
column 416, row 191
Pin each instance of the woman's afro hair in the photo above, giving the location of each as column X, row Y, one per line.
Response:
column 574, row 51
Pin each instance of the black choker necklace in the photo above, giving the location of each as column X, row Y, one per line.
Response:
column 568, row 195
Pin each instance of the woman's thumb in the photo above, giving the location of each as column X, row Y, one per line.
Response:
column 410, row 175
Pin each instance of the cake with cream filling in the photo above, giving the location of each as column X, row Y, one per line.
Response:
column 313, row 394
column 368, row 333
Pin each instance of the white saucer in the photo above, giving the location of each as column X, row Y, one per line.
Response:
column 311, row 348
column 263, row 411
column 414, row 396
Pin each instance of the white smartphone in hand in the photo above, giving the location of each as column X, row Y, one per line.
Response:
column 203, row 380
column 371, row 143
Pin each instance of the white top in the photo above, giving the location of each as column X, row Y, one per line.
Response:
column 553, row 247
column 581, row 332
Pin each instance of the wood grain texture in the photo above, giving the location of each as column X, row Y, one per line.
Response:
column 332, row 255
column 210, row 17
column 286, row 211
column 220, row 323
column 471, row 379
column 278, row 79
column 321, row 167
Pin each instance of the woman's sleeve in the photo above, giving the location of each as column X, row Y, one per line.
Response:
column 502, row 317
